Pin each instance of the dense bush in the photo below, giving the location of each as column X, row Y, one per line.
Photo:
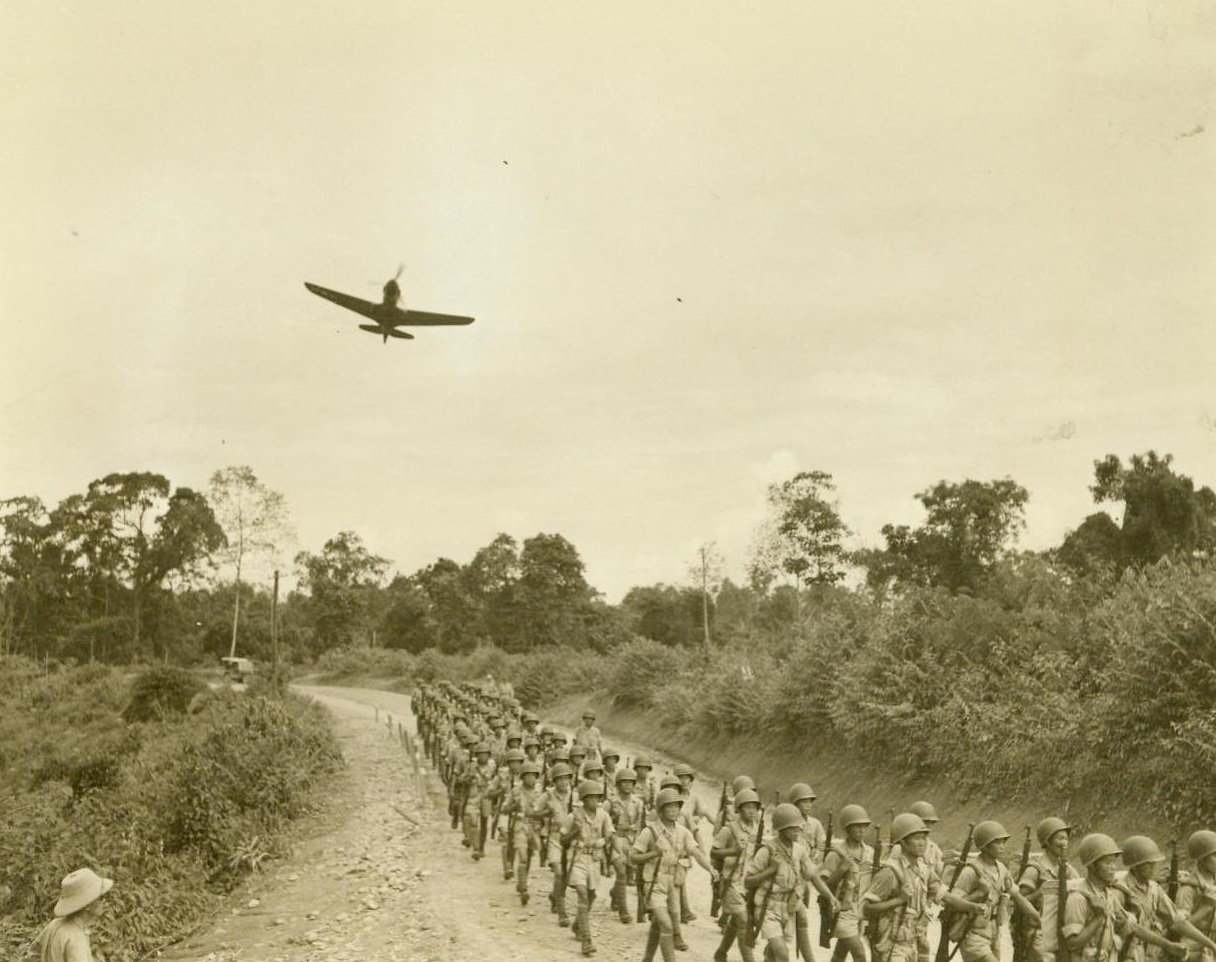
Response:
column 161, row 692
column 174, row 809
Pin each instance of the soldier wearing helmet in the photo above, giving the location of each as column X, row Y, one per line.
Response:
column 900, row 893
column 646, row 788
column 560, row 800
column 733, row 846
column 585, row 837
column 691, row 815
column 628, row 813
column 846, row 870
column 656, row 852
column 588, row 734
column 802, row 796
column 981, row 894
column 1197, row 895
column 477, row 798
column 527, row 808
column 779, row 871
column 1148, row 903
column 936, row 860
column 500, row 789
column 1040, row 883
column 611, row 758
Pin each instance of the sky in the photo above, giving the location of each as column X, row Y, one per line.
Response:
column 708, row 245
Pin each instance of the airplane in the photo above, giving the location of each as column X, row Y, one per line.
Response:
column 387, row 315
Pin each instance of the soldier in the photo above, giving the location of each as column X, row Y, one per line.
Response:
column 980, row 896
column 664, row 842
column 530, row 722
column 611, row 758
column 587, row 734
column 1094, row 915
column 691, row 815
column 846, row 870
column 500, row 791
column 531, row 746
column 803, row 796
column 1040, row 883
column 936, row 861
column 777, row 873
column 646, row 788
column 586, row 835
column 1148, row 903
column 733, row 846
column 1197, row 894
column 528, row 808
column 898, row 898
column 628, row 813
column 480, row 776
column 578, row 756
column 560, row 800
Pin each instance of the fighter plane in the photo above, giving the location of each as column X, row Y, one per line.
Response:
column 387, row 315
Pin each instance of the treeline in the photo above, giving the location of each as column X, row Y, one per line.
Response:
column 133, row 569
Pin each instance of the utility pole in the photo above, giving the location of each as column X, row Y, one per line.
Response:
column 274, row 633
column 705, row 596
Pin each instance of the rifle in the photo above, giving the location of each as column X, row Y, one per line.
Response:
column 495, row 812
column 1062, row 953
column 642, row 903
column 875, row 865
column 1017, row 925
column 943, row 945
column 1171, row 882
column 641, row 882
column 462, row 800
column 511, row 839
column 756, row 922
column 825, row 907
column 715, row 902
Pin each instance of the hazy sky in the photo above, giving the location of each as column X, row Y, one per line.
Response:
column 707, row 245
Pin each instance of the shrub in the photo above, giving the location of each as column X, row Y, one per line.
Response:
column 160, row 692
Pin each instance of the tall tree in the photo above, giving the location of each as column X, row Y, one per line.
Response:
column 491, row 579
column 554, row 596
column 255, row 521
column 342, row 582
column 454, row 611
column 148, row 532
column 803, row 534
column 1163, row 513
column 968, row 528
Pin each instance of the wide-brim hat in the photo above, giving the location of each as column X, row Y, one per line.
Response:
column 81, row 888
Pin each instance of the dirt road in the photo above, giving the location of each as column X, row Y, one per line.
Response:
column 370, row 885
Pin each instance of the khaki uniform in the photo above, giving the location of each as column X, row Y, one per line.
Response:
column 857, row 865
column 1195, row 892
column 1085, row 901
column 779, row 900
column 1040, row 882
column 531, row 811
column 592, row 839
column 676, row 843
column 1153, row 910
column 895, row 936
column 736, row 834
column 980, row 932
column 589, row 737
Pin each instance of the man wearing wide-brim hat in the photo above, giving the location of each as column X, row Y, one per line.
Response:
column 66, row 938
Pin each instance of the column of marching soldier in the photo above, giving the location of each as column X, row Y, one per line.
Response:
column 577, row 811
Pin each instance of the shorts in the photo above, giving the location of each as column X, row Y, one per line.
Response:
column 848, row 924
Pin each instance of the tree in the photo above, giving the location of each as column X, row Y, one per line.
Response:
column 968, row 528
column 706, row 574
column 1163, row 514
column 255, row 521
column 34, row 574
column 491, row 581
column 454, row 613
column 1096, row 545
column 554, row 596
column 134, row 526
column 342, row 582
column 408, row 623
column 803, row 535
column 664, row 613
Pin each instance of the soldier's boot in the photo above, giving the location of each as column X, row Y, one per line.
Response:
column 746, row 950
column 668, row 946
column 803, row 935
column 621, row 893
column 652, row 942
column 584, row 927
column 728, row 939
column 677, row 935
column 562, row 918
column 685, row 912
column 558, row 886
column 508, row 871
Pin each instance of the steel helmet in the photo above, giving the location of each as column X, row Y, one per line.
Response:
column 588, row 713
column 1048, row 827
column 853, row 815
column 786, row 815
column 668, row 796
column 513, row 755
column 1201, row 844
column 926, row 811
column 514, row 735
column 561, row 755
column 909, row 823
column 683, row 769
column 577, row 749
column 740, row 783
column 588, row 787
column 608, row 753
column 497, row 722
column 1139, row 849
column 801, row 791
column 988, row 832
column 626, row 775
column 671, row 781
column 591, row 765
column 531, row 741
column 560, row 770
column 546, row 730
column 1095, row 846
column 483, row 748
column 643, row 762
column 746, row 796
column 529, row 768
column 530, row 716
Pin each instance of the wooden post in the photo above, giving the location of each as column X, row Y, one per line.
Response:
column 274, row 631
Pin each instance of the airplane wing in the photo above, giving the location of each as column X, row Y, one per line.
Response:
column 356, row 304
column 428, row 319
